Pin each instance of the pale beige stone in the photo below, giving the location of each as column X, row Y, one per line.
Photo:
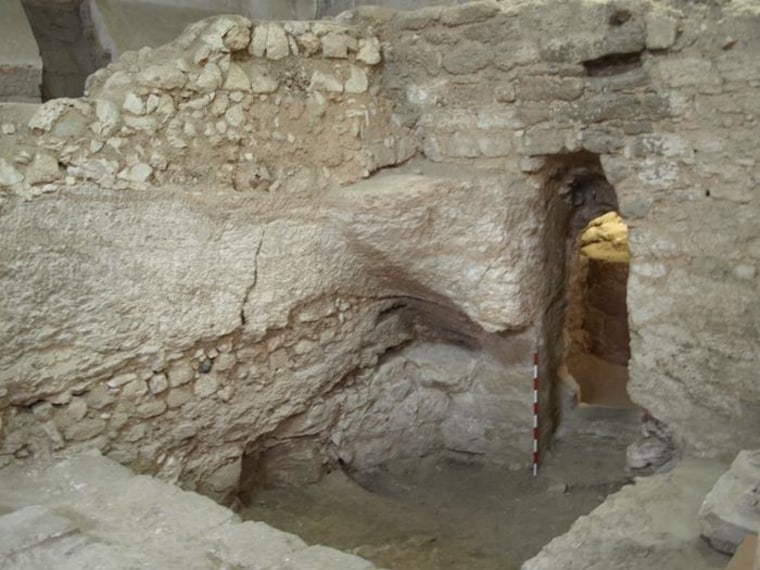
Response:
column 133, row 104
column 9, row 175
column 277, row 46
column 180, row 373
column 337, row 45
column 369, row 51
column 357, row 81
column 325, row 82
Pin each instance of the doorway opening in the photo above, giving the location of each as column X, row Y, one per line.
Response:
column 586, row 324
column 597, row 340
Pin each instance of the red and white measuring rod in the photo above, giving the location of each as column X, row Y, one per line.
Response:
column 535, row 414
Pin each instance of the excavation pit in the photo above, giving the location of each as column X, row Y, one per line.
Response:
column 437, row 514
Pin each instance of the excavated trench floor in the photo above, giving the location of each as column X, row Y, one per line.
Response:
column 444, row 515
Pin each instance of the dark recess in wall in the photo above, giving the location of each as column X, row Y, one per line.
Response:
column 613, row 64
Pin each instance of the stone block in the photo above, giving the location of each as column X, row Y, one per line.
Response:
column 731, row 510
column 180, row 373
column 549, row 140
column 417, row 19
column 690, row 72
column 336, row 45
column 467, row 57
column 548, row 88
column 469, row 13
column 650, row 524
column 662, row 30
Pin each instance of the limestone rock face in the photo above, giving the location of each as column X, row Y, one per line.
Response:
column 278, row 338
column 731, row 510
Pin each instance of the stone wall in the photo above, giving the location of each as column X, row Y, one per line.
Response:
column 201, row 283
column 664, row 96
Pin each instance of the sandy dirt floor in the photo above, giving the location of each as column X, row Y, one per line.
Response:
column 447, row 515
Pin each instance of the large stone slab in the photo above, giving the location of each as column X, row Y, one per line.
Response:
column 651, row 524
column 731, row 510
column 89, row 512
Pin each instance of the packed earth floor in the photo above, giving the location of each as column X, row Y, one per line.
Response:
column 446, row 515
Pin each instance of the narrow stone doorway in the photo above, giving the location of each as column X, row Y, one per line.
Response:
column 597, row 340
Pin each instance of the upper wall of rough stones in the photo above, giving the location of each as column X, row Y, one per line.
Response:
column 230, row 103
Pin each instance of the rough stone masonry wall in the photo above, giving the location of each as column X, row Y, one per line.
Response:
column 666, row 96
column 189, row 288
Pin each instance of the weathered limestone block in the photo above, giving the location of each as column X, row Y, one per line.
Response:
column 469, row 13
column 321, row 81
column 731, row 510
column 369, row 51
column 271, row 41
column 337, row 45
column 357, row 81
column 467, row 57
column 9, row 174
column 51, row 114
column 662, row 30
column 651, row 524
